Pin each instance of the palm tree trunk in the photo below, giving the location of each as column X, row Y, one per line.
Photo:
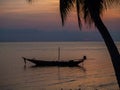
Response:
column 113, row 51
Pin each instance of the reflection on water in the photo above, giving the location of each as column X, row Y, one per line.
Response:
column 57, row 76
column 97, row 71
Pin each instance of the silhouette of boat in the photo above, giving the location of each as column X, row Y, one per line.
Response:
column 70, row 63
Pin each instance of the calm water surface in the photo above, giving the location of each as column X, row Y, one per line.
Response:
column 97, row 71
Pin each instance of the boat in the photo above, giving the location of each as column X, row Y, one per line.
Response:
column 70, row 63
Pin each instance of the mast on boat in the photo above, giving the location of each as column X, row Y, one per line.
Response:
column 58, row 53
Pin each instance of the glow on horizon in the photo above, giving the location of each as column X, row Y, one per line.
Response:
column 24, row 7
column 112, row 13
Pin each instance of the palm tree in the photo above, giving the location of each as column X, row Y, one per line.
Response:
column 91, row 11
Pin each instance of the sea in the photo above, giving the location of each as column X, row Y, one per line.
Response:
column 96, row 73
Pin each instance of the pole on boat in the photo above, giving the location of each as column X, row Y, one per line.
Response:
column 58, row 60
column 58, row 53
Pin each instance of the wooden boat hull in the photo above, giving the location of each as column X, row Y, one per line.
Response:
column 69, row 63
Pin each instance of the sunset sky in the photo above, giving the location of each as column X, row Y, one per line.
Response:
column 40, row 20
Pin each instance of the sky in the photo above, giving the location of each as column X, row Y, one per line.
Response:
column 40, row 20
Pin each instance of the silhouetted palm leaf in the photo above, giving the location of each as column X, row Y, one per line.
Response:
column 65, row 7
column 87, row 8
column 29, row 1
column 78, row 3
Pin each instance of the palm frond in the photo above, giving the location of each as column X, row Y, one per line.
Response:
column 88, row 8
column 78, row 12
column 92, row 7
column 65, row 8
column 110, row 3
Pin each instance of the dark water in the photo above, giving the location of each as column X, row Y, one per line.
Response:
column 97, row 71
